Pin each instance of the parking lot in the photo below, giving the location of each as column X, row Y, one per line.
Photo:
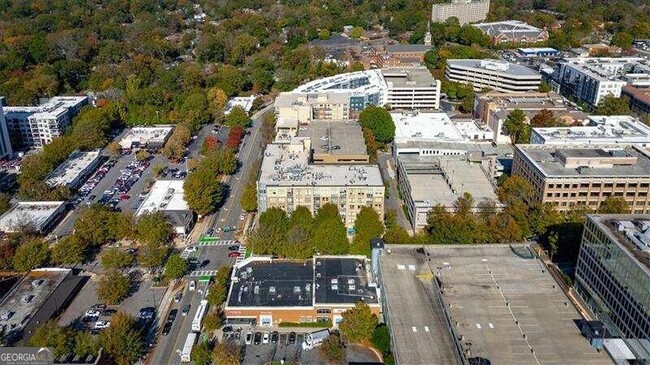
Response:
column 143, row 295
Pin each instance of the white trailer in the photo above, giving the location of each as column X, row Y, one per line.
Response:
column 198, row 317
column 315, row 339
column 187, row 348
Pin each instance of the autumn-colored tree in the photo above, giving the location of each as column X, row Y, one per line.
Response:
column 209, row 144
column 235, row 137
column 358, row 323
column 544, row 119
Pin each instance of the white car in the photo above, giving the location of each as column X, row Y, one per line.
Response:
column 249, row 338
column 192, row 285
column 191, row 249
column 265, row 338
column 92, row 313
column 102, row 324
column 242, row 217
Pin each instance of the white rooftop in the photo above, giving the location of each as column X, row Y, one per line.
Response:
column 51, row 109
column 360, row 81
column 35, row 214
column 68, row 171
column 165, row 195
column 288, row 165
column 144, row 135
column 246, row 102
column 610, row 68
column 536, row 49
column 433, row 127
column 618, row 129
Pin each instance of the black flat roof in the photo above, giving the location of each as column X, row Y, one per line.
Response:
column 343, row 281
column 273, row 284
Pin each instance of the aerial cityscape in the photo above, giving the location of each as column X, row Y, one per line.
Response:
column 325, row 182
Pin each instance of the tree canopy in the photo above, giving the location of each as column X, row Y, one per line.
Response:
column 379, row 122
column 358, row 323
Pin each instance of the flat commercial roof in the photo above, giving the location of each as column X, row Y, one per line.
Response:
column 28, row 296
column 165, row 195
column 509, row 27
column 288, row 165
column 454, row 178
column 546, row 158
column 145, row 135
column 273, row 284
column 362, row 81
column 335, row 138
column 505, row 305
column 411, row 126
column 51, row 109
column 407, row 48
column 246, row 102
column 34, row 214
column 343, row 281
column 416, row 320
column 408, row 77
column 68, row 171
column 632, row 224
column 602, row 129
column 508, row 69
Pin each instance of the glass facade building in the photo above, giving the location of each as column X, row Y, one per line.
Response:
column 612, row 273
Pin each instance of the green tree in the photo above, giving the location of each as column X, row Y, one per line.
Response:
column 516, row 127
column 356, row 32
column 113, row 287
column 69, row 250
column 544, row 87
column 610, row 105
column 218, row 294
column 142, row 155
column 31, row 255
column 368, row 225
column 49, row 334
column 381, row 339
column 324, row 34
column 203, row 191
column 623, row 40
column 358, row 323
column 123, row 340
column 114, row 149
column 85, row 343
column 332, row 350
column 212, row 321
column 270, row 235
column 114, row 258
column 379, row 121
column 614, row 205
column 329, row 237
column 202, row 353
column 153, row 228
column 248, row 199
column 238, row 116
column 217, row 100
column 176, row 267
column 226, row 353
column 5, row 203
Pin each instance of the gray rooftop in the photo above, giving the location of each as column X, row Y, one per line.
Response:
column 407, row 48
column 512, row 28
column 512, row 69
column 505, row 304
column 288, row 165
column 409, row 77
column 608, row 224
column 327, row 135
column 343, row 281
column 548, row 159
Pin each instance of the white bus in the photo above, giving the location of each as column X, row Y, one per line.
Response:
column 198, row 318
column 315, row 339
column 187, row 348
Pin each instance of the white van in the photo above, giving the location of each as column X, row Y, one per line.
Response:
column 315, row 339
column 192, row 285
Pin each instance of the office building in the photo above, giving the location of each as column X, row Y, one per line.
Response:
column 616, row 129
column 492, row 109
column 639, row 99
column 613, row 274
column 467, row 11
column 38, row 296
column 245, row 102
column 288, row 179
column 36, row 126
column 34, row 216
column 334, row 142
column 266, row 291
column 168, row 197
column 570, row 176
column 152, row 137
column 5, row 142
column 298, row 108
column 590, row 79
column 512, row 31
column 493, row 75
column 74, row 171
column 411, row 88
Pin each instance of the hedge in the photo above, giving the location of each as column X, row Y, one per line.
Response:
column 326, row 324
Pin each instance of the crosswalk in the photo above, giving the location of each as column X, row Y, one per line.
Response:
column 217, row 243
column 203, row 273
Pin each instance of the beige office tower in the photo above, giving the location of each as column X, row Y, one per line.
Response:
column 467, row 11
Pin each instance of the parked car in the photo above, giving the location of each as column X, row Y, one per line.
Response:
column 147, row 312
column 178, row 296
column 274, row 336
column 233, row 248
column 172, row 315
column 292, row 338
column 167, row 328
column 192, row 285
column 249, row 338
column 186, row 310
column 234, row 254
column 102, row 324
column 266, row 337
column 92, row 313
column 258, row 338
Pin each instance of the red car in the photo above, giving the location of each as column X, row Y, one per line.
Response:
column 125, row 197
column 234, row 254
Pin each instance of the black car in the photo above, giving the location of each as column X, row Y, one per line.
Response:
column 186, row 309
column 205, row 263
column 233, row 248
column 210, row 232
column 274, row 337
column 172, row 315
column 167, row 328
column 108, row 312
column 292, row 338
column 258, row 338
column 147, row 313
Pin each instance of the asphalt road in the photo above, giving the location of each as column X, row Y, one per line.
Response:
column 392, row 201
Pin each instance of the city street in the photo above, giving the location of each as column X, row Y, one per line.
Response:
column 392, row 201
